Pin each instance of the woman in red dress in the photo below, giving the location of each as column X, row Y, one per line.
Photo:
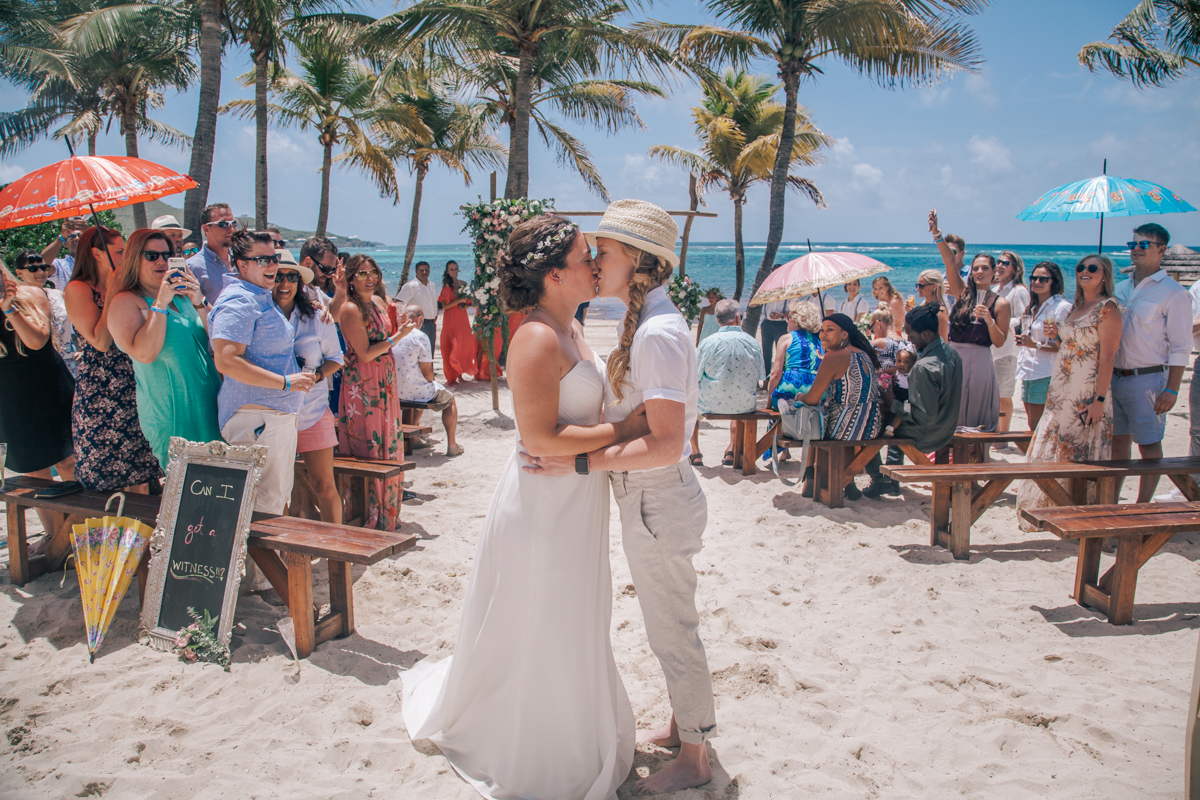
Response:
column 458, row 343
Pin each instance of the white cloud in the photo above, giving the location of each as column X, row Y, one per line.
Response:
column 990, row 154
column 934, row 97
column 842, row 149
column 10, row 172
column 946, row 175
column 980, row 88
column 867, row 174
column 1107, row 146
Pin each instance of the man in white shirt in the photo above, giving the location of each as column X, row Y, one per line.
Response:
column 414, row 377
column 420, row 292
column 1156, row 342
column 773, row 326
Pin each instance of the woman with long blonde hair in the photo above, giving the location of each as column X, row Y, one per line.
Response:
column 931, row 290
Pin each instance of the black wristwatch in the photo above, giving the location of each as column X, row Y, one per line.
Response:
column 582, row 466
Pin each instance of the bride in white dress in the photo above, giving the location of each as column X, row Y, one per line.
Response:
column 531, row 705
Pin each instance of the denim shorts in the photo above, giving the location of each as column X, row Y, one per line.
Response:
column 1034, row 391
column 1133, row 407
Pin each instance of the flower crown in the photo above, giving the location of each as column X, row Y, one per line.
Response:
column 538, row 253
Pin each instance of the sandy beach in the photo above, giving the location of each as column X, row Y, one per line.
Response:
column 850, row 659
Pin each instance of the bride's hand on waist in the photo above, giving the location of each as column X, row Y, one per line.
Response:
column 546, row 465
column 635, row 426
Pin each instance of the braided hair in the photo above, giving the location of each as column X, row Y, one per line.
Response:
column 649, row 272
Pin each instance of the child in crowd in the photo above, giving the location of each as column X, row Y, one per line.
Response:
column 905, row 360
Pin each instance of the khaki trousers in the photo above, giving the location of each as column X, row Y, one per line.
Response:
column 663, row 515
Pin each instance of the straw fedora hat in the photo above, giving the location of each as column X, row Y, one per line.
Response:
column 639, row 224
column 167, row 222
column 286, row 259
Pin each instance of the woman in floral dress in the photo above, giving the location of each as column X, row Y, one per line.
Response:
column 1077, row 424
column 111, row 452
column 369, row 420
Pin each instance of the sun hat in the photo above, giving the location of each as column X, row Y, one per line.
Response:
column 639, row 224
column 286, row 259
column 167, row 222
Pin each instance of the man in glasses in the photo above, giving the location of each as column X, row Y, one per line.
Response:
column 1156, row 341
column 211, row 264
column 277, row 237
column 68, row 235
column 174, row 231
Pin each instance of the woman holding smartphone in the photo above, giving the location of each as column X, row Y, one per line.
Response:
column 159, row 318
column 111, row 453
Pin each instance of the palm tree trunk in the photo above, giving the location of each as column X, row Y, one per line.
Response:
column 129, row 128
column 517, row 184
column 326, row 166
column 262, row 68
column 411, row 248
column 205, row 139
column 739, row 251
column 92, row 141
column 694, row 198
column 790, row 73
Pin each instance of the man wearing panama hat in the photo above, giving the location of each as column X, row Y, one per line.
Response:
column 663, row 509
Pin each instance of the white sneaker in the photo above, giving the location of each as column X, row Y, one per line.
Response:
column 1173, row 496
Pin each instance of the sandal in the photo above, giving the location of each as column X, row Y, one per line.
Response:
column 697, row 459
column 727, row 459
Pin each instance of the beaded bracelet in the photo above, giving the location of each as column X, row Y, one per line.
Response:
column 939, row 240
column 162, row 311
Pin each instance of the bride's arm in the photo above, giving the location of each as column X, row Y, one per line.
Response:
column 535, row 367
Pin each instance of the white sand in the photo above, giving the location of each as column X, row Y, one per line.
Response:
column 850, row 660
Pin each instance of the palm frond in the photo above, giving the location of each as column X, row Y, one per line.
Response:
column 570, row 152
column 808, row 189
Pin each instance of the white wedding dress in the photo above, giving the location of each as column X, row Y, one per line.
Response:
column 531, row 705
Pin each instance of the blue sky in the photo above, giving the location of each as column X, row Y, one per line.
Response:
column 979, row 147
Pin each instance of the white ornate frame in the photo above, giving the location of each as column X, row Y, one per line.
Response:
column 180, row 454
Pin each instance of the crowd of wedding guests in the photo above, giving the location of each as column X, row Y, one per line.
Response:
column 118, row 344
column 1098, row 371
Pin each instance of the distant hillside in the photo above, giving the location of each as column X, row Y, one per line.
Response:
column 295, row 238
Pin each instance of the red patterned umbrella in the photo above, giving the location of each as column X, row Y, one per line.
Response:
column 86, row 183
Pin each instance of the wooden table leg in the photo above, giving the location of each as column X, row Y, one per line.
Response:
column 939, row 517
column 341, row 594
column 1106, row 491
column 1124, row 581
column 749, row 443
column 739, row 443
column 960, row 520
column 829, row 475
column 1087, row 568
column 300, row 602
column 18, row 545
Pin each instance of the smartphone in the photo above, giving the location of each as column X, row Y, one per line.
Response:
column 176, row 268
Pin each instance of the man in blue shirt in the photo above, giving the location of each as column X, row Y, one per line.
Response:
column 730, row 366
column 212, row 264
column 254, row 349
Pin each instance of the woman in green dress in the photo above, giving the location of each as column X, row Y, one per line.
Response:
column 161, row 322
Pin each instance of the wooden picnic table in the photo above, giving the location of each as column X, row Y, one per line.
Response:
column 356, row 472
column 745, row 437
column 1140, row 530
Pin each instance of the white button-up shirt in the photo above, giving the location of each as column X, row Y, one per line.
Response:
column 662, row 365
column 1195, row 294
column 1157, row 323
column 1033, row 364
column 420, row 294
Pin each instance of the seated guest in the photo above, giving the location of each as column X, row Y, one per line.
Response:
column 254, row 349
column 730, row 366
column 797, row 354
column 35, row 389
column 930, row 414
column 318, row 353
column 111, row 452
column 161, row 323
column 846, row 388
column 414, row 377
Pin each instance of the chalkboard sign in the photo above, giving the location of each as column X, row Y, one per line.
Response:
column 198, row 550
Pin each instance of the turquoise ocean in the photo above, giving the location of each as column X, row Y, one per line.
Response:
column 711, row 263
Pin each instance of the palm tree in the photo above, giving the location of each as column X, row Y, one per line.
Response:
column 334, row 94
column 458, row 139
column 1158, row 42
column 739, row 130
column 211, row 48
column 521, row 32
column 893, row 42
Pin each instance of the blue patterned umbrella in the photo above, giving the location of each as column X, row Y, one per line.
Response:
column 1106, row 195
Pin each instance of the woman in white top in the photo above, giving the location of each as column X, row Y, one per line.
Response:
column 855, row 306
column 1036, row 350
column 1009, row 283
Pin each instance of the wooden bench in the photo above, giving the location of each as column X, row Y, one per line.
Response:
column 410, row 432
column 968, row 445
column 409, row 410
column 1141, row 530
column 745, row 438
column 356, row 472
column 283, row 547
column 958, row 502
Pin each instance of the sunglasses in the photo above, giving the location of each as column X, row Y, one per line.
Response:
column 35, row 266
column 1004, row 262
column 224, row 224
column 921, row 286
column 1142, row 245
column 1090, row 268
column 327, row 270
column 278, row 243
column 1040, row 278
column 73, row 236
column 155, row 255
column 369, row 273
column 290, row 277
column 191, row 251
column 263, row 261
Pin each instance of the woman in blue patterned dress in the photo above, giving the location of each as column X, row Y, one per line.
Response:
column 847, row 389
column 111, row 452
column 797, row 354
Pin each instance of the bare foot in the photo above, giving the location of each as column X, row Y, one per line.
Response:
column 666, row 736
column 689, row 770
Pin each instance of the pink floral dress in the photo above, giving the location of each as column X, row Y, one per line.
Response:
column 369, row 422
